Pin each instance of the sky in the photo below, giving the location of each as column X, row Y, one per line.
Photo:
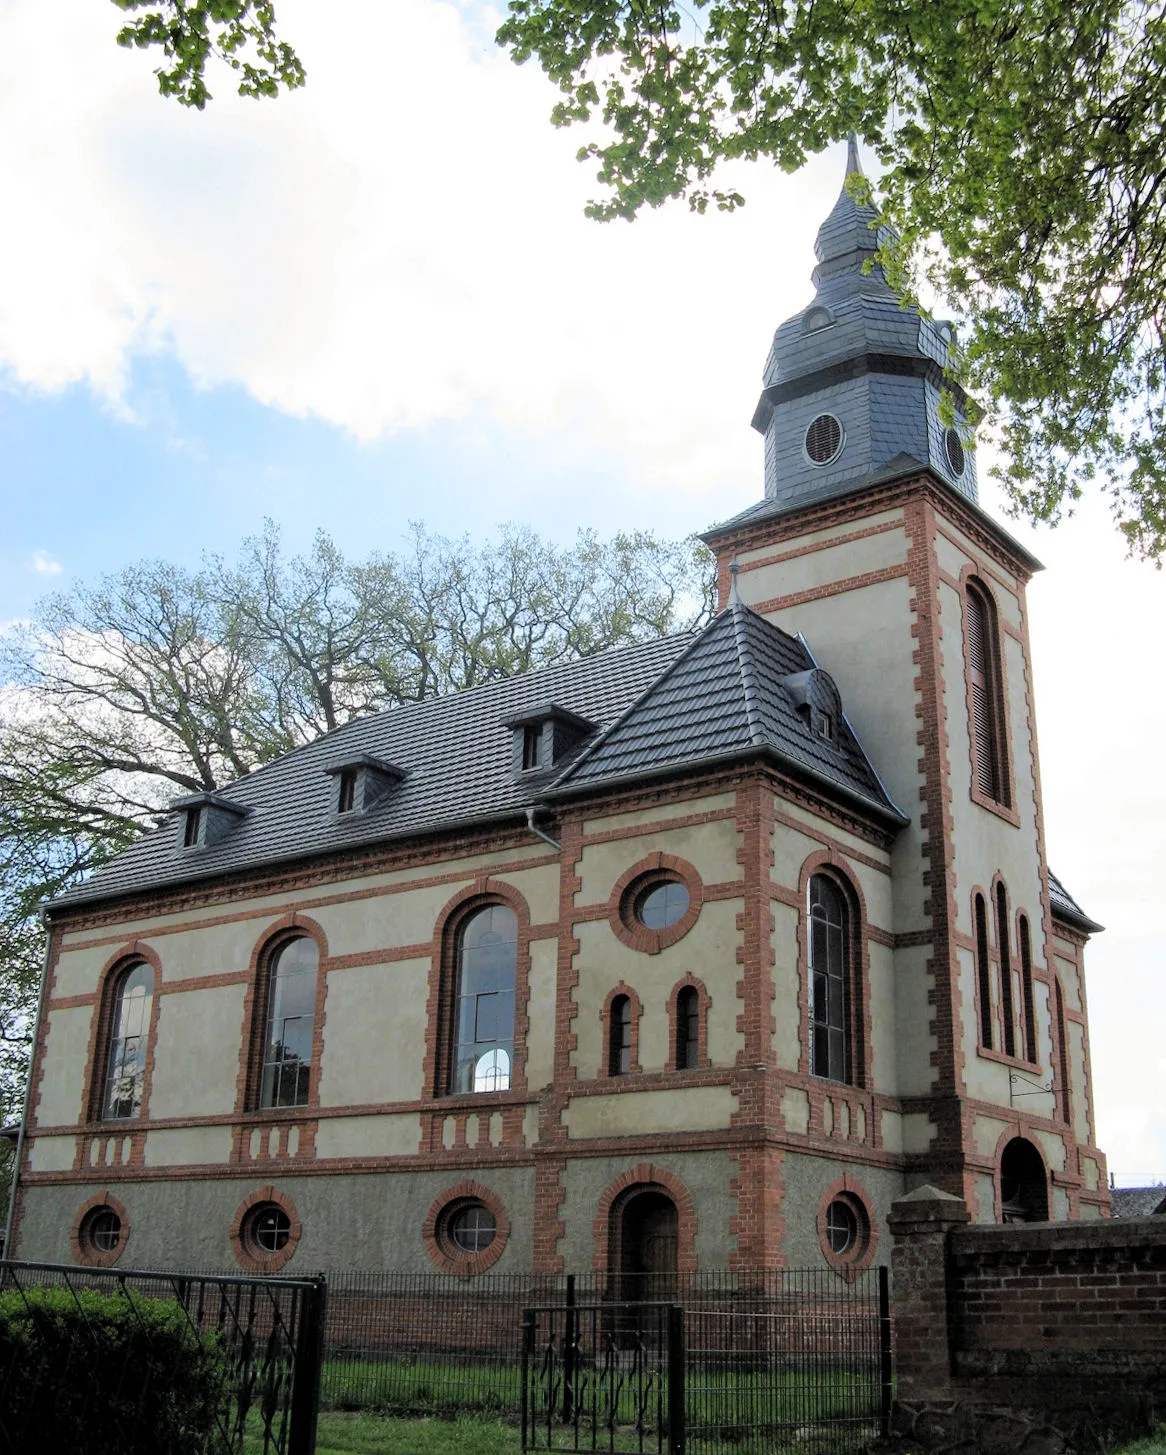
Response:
column 377, row 300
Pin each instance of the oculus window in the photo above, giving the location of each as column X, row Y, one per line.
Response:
column 661, row 904
column 487, row 969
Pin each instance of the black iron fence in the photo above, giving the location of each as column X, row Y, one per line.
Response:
column 162, row 1363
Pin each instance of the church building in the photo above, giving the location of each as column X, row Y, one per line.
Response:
column 694, row 954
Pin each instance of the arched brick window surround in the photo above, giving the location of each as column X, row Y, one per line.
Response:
column 247, row 1255
column 118, row 965
column 704, row 1004
column 636, row 1008
column 450, row 1259
column 276, row 936
column 835, row 867
column 644, row 1177
column 988, row 726
column 441, row 1016
column 1021, row 1129
column 620, row 905
column 849, row 1190
column 1006, row 962
column 83, row 1252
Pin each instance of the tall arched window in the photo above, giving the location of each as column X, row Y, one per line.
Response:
column 983, row 972
column 286, row 1075
column 1026, row 988
column 1007, row 1008
column 619, row 1037
column 687, row 1028
column 989, row 754
column 831, row 1051
column 487, row 969
column 129, row 1026
column 1065, row 1098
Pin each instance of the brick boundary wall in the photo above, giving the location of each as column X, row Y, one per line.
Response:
column 1024, row 1339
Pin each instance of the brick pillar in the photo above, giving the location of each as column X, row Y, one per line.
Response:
column 920, row 1223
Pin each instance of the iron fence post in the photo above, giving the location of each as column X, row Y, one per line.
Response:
column 309, row 1363
column 528, row 1317
column 569, row 1338
column 886, row 1370
column 676, row 1431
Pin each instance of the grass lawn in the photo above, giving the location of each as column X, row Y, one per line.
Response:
column 367, row 1434
column 1155, row 1445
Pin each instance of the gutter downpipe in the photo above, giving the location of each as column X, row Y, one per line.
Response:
column 531, row 810
column 40, row 1010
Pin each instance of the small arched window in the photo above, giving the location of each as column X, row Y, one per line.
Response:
column 687, row 1029
column 619, row 1037
column 989, row 755
column 129, row 1027
column 831, row 1049
column 286, row 1075
column 1026, row 988
column 487, row 971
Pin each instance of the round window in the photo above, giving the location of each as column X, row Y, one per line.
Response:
column 472, row 1228
column 268, row 1228
column 954, row 448
column 661, row 904
column 824, row 439
column 841, row 1226
column 101, row 1230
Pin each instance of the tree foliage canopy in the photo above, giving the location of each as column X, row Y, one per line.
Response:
column 1024, row 172
column 159, row 681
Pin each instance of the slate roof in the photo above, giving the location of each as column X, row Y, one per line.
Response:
column 724, row 697
column 1138, row 1202
column 1065, row 907
column 659, row 707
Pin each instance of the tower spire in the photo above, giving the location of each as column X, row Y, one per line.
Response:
column 853, row 160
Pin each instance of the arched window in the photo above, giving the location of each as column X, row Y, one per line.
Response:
column 487, row 969
column 1007, row 1009
column 286, row 1074
column 983, row 972
column 619, row 1037
column 129, row 1027
column 687, row 1028
column 990, row 758
column 831, row 1049
column 1065, row 1098
column 1026, row 988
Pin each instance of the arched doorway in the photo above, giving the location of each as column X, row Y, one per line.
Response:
column 643, row 1243
column 1024, row 1184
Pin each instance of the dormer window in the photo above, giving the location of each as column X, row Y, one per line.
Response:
column 826, row 726
column 207, row 818
column 347, row 791
column 815, row 696
column 546, row 736
column 361, row 783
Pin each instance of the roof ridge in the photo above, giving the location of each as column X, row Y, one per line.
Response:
column 757, row 733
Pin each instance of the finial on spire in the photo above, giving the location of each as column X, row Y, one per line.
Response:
column 853, row 161
column 734, row 569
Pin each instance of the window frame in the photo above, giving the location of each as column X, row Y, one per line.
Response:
column 639, row 879
column 114, row 977
column 257, row 1011
column 851, row 975
column 85, row 1252
column 991, row 783
column 617, row 994
column 435, row 1230
column 1004, row 966
column 249, row 1254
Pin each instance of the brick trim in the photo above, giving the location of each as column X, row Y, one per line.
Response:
column 247, row 1254
column 137, row 952
column 972, row 579
column 632, row 882
column 83, row 1250
column 1021, row 1128
column 849, row 1190
column 643, row 1177
column 636, row 1008
column 441, row 1249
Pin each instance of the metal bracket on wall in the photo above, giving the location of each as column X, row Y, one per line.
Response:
column 1038, row 1088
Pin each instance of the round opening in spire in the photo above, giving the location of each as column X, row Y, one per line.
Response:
column 824, row 440
column 954, row 449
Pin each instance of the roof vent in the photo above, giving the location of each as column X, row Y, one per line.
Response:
column 824, row 440
column 361, row 783
column 817, row 318
column 954, row 449
column 206, row 818
column 543, row 737
column 818, row 702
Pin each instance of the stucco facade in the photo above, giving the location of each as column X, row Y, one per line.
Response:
column 671, row 1069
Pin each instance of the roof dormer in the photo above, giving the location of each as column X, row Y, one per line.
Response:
column 361, row 782
column 206, row 818
column 544, row 737
column 819, row 704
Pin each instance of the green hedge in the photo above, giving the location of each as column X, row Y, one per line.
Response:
column 95, row 1372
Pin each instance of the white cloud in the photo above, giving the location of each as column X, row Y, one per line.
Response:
column 44, row 565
